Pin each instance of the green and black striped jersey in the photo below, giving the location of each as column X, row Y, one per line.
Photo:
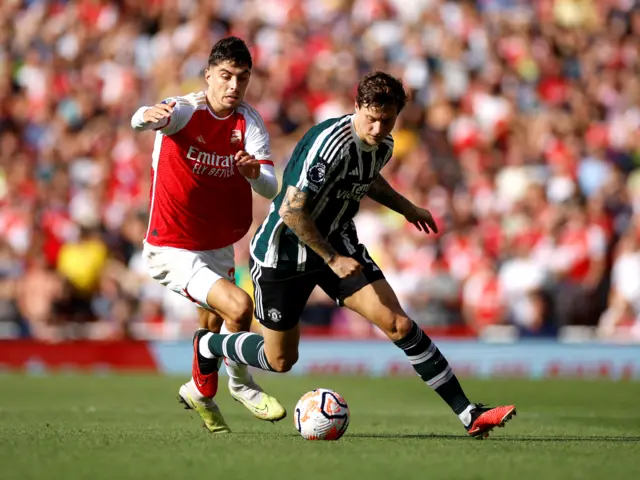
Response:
column 335, row 168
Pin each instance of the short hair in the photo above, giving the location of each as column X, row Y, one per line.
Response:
column 379, row 89
column 230, row 49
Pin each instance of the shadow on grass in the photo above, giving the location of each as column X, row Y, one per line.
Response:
column 515, row 438
column 438, row 436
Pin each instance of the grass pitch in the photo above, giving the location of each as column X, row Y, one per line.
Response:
column 131, row 427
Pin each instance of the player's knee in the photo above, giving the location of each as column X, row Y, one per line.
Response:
column 240, row 313
column 400, row 327
column 203, row 318
column 283, row 363
column 209, row 320
column 214, row 323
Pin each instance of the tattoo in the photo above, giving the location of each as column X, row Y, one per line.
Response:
column 384, row 194
column 295, row 216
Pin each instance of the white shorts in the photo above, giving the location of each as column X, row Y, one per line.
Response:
column 190, row 273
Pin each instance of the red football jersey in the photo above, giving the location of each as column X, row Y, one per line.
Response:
column 199, row 200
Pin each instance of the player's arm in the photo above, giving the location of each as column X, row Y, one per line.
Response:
column 295, row 215
column 381, row 192
column 267, row 183
column 261, row 174
column 153, row 118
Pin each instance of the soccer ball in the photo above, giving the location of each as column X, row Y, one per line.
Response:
column 321, row 414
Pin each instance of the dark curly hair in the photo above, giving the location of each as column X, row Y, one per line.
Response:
column 379, row 89
column 230, row 49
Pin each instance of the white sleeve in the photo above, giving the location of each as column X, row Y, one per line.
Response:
column 266, row 184
column 256, row 140
column 137, row 121
column 182, row 112
column 257, row 143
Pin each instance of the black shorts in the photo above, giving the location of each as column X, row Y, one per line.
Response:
column 281, row 295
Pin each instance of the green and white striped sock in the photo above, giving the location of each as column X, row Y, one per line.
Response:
column 243, row 347
column 433, row 368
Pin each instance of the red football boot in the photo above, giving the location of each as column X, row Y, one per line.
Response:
column 198, row 394
column 484, row 419
column 207, row 383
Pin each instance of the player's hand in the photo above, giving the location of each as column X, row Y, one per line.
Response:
column 344, row 267
column 247, row 165
column 422, row 219
column 158, row 112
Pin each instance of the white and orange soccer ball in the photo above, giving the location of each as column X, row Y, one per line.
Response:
column 321, row 414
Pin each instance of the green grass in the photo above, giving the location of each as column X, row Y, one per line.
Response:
column 115, row 427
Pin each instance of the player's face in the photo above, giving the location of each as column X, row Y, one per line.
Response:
column 374, row 124
column 227, row 83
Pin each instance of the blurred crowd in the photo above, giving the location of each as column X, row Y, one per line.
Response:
column 522, row 136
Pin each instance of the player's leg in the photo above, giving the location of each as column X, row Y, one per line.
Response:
column 378, row 303
column 210, row 320
column 235, row 306
column 173, row 268
column 279, row 303
column 207, row 278
column 273, row 351
column 220, row 296
column 371, row 296
column 242, row 387
column 226, row 308
column 281, row 347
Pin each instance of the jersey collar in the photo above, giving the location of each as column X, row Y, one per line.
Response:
column 206, row 102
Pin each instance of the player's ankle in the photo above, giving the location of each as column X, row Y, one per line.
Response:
column 466, row 415
column 195, row 392
column 238, row 375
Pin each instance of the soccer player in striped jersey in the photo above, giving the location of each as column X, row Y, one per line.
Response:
column 211, row 150
column 309, row 239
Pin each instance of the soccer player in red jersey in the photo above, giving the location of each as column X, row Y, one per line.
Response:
column 211, row 149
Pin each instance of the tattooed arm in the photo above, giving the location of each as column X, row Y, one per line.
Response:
column 294, row 214
column 381, row 192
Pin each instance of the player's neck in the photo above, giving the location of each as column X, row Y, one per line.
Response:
column 364, row 145
column 217, row 109
column 355, row 129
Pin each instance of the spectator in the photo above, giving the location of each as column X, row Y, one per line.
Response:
column 521, row 136
column 622, row 317
column 523, row 281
